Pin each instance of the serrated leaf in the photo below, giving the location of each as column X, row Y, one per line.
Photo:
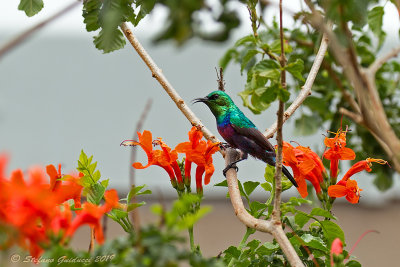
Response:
column 191, row 218
column 95, row 193
column 249, row 187
column 296, row 68
column 321, row 212
column 91, row 12
column 30, row 7
column 146, row 6
column 331, row 231
column 119, row 214
column 109, row 40
column 105, row 183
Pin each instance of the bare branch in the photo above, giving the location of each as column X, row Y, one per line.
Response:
column 357, row 118
column 254, row 223
column 377, row 64
column 306, row 89
column 23, row 36
column 159, row 76
column 220, row 80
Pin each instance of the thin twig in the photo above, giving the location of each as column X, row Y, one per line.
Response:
column 377, row 64
column 24, row 35
column 220, row 79
column 305, row 90
column 135, row 212
column 159, row 76
column 276, row 214
column 91, row 245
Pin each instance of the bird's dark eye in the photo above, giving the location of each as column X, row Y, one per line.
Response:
column 213, row 97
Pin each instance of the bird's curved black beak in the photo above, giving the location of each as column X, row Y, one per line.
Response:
column 200, row 99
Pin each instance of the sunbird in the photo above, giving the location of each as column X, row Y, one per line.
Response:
column 239, row 132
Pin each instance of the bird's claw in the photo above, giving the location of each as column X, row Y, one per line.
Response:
column 230, row 166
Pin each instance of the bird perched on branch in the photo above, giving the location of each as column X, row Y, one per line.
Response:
column 239, row 132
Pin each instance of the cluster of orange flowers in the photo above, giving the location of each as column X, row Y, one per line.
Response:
column 306, row 165
column 36, row 211
column 197, row 151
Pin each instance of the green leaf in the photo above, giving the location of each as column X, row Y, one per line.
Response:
column 296, row 68
column 321, row 212
column 233, row 251
column 253, row 244
column 301, row 218
column 306, row 125
column 109, row 40
column 224, row 183
column 91, row 12
column 30, row 7
column 268, row 69
column 249, row 187
column 95, row 193
column 375, row 22
column 191, row 218
column 227, row 57
column 246, row 39
column 316, row 104
column 247, row 57
column 105, row 183
column 353, row 263
column 267, row 186
column 255, row 206
column 135, row 191
column 269, row 173
column 331, row 231
column 118, row 214
column 314, row 242
column 133, row 206
column 146, row 6
column 383, row 181
column 283, row 94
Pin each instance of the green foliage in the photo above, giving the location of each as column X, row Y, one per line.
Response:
column 30, row 7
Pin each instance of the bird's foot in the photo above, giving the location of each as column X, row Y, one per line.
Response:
column 230, row 166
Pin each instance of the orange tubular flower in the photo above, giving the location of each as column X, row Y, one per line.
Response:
column 336, row 249
column 199, row 152
column 164, row 158
column 306, row 165
column 91, row 214
column 349, row 188
column 337, row 151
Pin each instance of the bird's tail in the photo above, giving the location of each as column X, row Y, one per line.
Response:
column 289, row 176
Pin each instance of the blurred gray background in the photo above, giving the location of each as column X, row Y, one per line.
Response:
column 59, row 94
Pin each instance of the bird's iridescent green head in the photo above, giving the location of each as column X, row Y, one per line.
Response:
column 218, row 102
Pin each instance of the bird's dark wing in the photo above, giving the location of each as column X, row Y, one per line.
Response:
column 250, row 132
